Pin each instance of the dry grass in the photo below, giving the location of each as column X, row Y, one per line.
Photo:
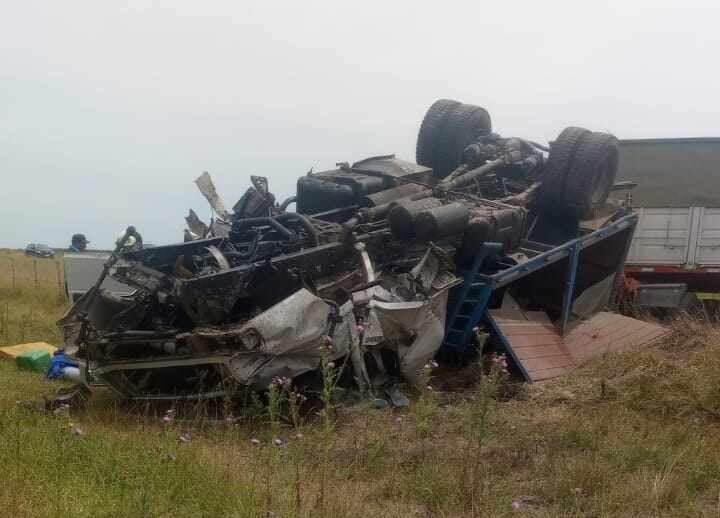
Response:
column 32, row 298
column 636, row 434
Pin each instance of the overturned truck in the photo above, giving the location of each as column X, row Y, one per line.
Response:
column 384, row 263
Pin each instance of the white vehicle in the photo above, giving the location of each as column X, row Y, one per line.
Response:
column 82, row 269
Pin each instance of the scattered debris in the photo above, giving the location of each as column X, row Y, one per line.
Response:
column 67, row 398
column 62, row 367
column 11, row 352
column 36, row 360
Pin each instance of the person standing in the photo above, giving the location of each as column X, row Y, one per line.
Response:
column 78, row 243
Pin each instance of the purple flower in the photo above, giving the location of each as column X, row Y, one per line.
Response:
column 515, row 505
column 185, row 437
column 169, row 416
column 501, row 361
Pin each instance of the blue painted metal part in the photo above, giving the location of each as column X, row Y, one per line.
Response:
column 569, row 287
column 506, row 346
column 505, row 277
column 469, row 300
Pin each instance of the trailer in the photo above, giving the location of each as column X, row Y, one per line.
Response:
column 676, row 247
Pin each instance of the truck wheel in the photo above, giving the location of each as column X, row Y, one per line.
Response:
column 462, row 126
column 558, row 165
column 429, row 130
column 592, row 174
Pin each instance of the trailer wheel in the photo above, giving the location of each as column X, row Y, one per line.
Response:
column 592, row 174
column 462, row 126
column 558, row 165
column 429, row 130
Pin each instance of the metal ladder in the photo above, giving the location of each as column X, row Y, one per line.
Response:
column 469, row 301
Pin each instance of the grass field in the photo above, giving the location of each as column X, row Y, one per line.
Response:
column 636, row 434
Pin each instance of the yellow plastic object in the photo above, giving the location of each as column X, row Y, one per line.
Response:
column 11, row 352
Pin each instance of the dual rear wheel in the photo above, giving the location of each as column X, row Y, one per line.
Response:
column 577, row 176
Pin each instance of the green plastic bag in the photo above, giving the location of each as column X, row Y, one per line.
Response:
column 35, row 360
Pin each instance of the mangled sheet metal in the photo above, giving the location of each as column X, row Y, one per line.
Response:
column 207, row 188
column 287, row 340
column 404, row 314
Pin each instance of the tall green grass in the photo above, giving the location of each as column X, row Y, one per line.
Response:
column 633, row 434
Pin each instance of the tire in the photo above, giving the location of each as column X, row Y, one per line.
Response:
column 558, row 165
column 462, row 126
column 592, row 174
column 429, row 130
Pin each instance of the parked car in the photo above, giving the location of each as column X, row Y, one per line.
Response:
column 38, row 250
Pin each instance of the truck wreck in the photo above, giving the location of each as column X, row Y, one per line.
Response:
column 383, row 263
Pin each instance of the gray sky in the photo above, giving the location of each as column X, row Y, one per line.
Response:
column 110, row 109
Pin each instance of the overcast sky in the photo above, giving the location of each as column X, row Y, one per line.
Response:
column 110, row 109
